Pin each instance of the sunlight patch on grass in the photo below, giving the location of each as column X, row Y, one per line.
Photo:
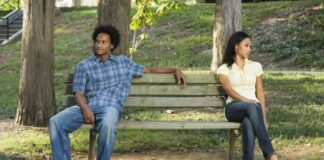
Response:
column 29, row 142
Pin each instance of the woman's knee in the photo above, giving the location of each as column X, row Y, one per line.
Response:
column 247, row 128
column 246, row 123
column 254, row 111
column 252, row 107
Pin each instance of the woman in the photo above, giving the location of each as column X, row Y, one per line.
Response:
column 242, row 81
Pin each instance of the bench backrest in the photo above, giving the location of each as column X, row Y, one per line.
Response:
column 161, row 90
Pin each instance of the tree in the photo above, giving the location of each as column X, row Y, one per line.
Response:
column 146, row 16
column 228, row 19
column 116, row 13
column 76, row 3
column 36, row 90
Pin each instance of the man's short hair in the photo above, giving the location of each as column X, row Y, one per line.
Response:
column 111, row 31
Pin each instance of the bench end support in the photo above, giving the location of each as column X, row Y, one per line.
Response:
column 233, row 135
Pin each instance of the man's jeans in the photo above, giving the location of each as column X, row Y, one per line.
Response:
column 70, row 119
column 250, row 115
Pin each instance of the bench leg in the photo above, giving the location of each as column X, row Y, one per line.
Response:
column 233, row 135
column 92, row 144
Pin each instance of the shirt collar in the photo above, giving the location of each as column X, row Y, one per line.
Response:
column 246, row 61
column 111, row 58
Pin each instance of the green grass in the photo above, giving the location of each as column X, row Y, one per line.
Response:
column 9, row 94
column 178, row 39
column 289, row 40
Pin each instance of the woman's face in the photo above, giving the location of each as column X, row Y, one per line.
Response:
column 243, row 49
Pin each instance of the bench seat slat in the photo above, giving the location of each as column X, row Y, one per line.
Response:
column 211, row 90
column 165, row 102
column 167, row 78
column 174, row 125
column 169, row 90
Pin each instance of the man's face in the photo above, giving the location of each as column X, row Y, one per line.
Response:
column 103, row 44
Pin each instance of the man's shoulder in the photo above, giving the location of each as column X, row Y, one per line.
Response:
column 121, row 58
column 86, row 62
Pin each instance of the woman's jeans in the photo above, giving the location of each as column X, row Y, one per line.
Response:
column 250, row 115
column 70, row 119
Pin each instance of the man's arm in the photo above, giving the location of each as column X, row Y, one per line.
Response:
column 180, row 77
column 81, row 101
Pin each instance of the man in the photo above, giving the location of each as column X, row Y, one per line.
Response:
column 100, row 86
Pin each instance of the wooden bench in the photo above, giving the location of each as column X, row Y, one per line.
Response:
column 160, row 90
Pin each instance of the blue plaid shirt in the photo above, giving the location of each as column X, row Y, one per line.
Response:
column 106, row 83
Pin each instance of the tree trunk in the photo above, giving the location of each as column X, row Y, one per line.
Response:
column 77, row 3
column 36, row 90
column 228, row 19
column 116, row 13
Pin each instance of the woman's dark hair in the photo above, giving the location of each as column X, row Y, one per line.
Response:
column 230, row 54
column 111, row 31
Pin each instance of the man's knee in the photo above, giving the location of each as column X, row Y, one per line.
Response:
column 108, row 127
column 52, row 121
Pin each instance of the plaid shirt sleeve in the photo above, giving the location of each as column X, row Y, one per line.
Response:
column 136, row 70
column 79, row 80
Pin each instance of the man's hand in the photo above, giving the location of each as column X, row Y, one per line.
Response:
column 88, row 116
column 180, row 77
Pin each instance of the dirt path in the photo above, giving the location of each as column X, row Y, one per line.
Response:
column 170, row 156
column 7, row 124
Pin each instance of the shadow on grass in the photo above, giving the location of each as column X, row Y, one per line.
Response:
column 3, row 156
column 305, row 91
column 296, row 121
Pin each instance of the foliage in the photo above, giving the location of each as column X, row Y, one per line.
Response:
column 289, row 34
column 146, row 16
column 8, row 5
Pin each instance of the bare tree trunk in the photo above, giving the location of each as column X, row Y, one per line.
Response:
column 116, row 13
column 57, row 12
column 36, row 91
column 228, row 19
column 77, row 3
